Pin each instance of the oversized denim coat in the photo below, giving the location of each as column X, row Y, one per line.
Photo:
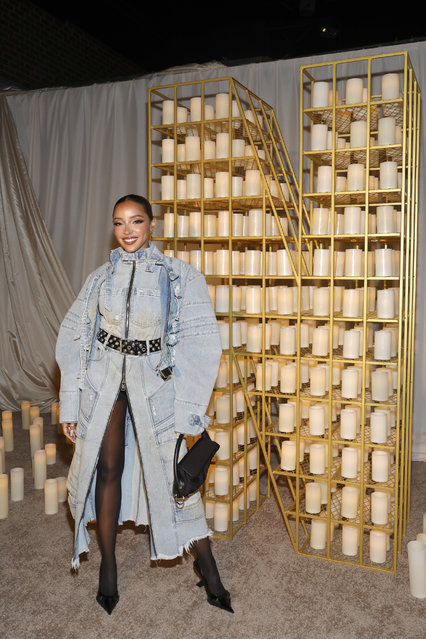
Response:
column 173, row 291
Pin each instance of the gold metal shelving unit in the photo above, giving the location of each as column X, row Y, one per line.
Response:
column 378, row 229
column 232, row 231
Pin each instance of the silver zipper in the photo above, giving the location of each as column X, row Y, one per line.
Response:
column 126, row 329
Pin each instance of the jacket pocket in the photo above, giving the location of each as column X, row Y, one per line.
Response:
column 161, row 405
column 88, row 401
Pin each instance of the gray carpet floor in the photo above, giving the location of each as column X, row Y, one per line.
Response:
column 275, row 592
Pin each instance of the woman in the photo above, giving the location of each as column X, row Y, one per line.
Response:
column 139, row 352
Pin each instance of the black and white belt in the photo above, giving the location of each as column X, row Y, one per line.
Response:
column 129, row 346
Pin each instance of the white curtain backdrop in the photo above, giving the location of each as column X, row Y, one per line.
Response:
column 85, row 147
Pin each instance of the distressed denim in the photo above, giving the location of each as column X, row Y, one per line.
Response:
column 176, row 297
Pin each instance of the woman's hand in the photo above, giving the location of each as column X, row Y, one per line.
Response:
column 69, row 430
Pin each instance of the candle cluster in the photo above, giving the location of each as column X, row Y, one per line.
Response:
column 41, row 454
column 249, row 224
column 417, row 563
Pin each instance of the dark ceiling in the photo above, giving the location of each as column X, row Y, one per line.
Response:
column 163, row 35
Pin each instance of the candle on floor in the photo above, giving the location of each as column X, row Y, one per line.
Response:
column 7, row 431
column 51, row 496
column 62, row 489
column 50, row 453
column 2, row 456
column 318, row 539
column 378, row 543
column 39, row 466
column 350, row 501
column 16, row 484
column 379, row 508
column 4, row 495
column 35, row 438
column 417, row 568
column 25, row 414
column 313, row 497
column 350, row 536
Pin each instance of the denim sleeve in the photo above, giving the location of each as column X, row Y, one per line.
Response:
column 67, row 355
column 197, row 356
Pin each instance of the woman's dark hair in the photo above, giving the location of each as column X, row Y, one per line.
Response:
column 138, row 199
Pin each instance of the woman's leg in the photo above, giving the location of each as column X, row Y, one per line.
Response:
column 208, row 565
column 108, row 493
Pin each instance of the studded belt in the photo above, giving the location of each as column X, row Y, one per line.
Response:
column 129, row 346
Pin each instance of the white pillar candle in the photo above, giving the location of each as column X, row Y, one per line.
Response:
column 222, row 262
column 182, row 114
column 388, row 177
column 222, row 226
column 237, row 184
column 210, row 223
column 253, row 184
column 358, row 133
column 254, row 338
column 320, row 91
column 7, row 431
column 324, row 179
column 16, row 484
column 316, row 419
column 349, row 462
column 50, row 453
column 168, row 111
column 39, row 468
column 349, row 383
column 390, row 86
column 348, row 423
column 350, row 536
column 283, row 263
column 169, row 225
column 386, row 308
column 237, row 146
column 222, row 106
column 209, row 149
column 318, row 539
column 35, row 438
column 378, row 427
column 288, row 455
column 322, row 262
column 313, row 497
column 385, row 219
column 339, row 261
column 317, row 379
column 253, row 262
column 254, row 299
column 222, row 438
column 319, row 135
column 223, row 408
column 320, row 341
column 62, row 489
column 195, row 224
column 356, row 177
column 209, row 112
column 25, row 414
column 321, row 301
column 237, row 224
column 2, row 456
column 222, row 145
column 221, row 517
column 193, row 186
column 354, row 262
column 380, row 390
column 382, row 344
column 195, row 109
column 288, row 340
column 222, row 184
column 417, row 568
column 51, row 496
column 255, row 222
column 182, row 226
column 222, row 375
column 288, row 375
column 378, row 543
column 286, row 417
column 351, row 302
column 354, row 90
column 386, row 131
column 180, row 152
column 350, row 501
column 167, row 150
column 352, row 220
column 4, row 495
column 320, row 221
column 379, row 508
column 167, row 187
column 351, row 344
column 380, row 463
column 317, row 459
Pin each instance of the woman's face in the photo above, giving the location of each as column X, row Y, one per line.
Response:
column 132, row 226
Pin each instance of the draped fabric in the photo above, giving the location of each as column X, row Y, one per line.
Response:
column 34, row 289
column 86, row 147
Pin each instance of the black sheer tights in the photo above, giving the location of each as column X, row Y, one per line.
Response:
column 108, row 493
column 208, row 565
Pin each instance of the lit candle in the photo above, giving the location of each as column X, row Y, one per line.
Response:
column 379, row 508
column 318, row 539
column 50, row 453
column 39, row 466
column 7, row 429
column 16, row 484
column 350, row 535
column 288, row 455
column 350, row 501
column 51, row 496
column 62, row 489
column 4, row 495
column 380, row 463
column 313, row 497
column 417, row 568
column 35, row 438
column 25, row 414
column 388, row 178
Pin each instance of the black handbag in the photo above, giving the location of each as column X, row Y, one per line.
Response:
column 191, row 471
